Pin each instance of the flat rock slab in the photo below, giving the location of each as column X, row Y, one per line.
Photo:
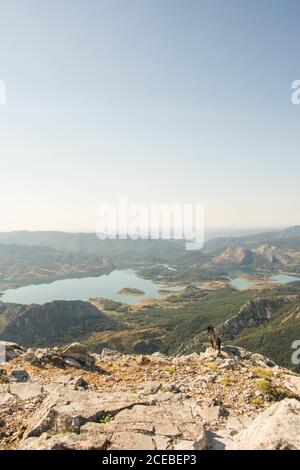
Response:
column 131, row 441
column 236, row 423
column 26, row 391
column 190, row 445
column 66, row 408
column 5, row 397
column 66, row 441
column 211, row 413
column 117, row 420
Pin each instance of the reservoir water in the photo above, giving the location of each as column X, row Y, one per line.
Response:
column 242, row 283
column 106, row 286
column 284, row 278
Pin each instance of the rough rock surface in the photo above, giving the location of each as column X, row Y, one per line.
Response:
column 278, row 428
column 20, row 375
column 116, row 401
column 78, row 352
column 292, row 383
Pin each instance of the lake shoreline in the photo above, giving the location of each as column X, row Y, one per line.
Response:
column 112, row 285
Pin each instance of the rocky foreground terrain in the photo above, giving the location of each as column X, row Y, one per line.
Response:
column 71, row 399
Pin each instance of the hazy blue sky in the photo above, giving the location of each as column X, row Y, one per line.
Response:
column 160, row 100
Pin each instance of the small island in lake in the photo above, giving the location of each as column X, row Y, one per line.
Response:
column 131, row 291
column 166, row 291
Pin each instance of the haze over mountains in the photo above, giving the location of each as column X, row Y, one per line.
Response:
column 89, row 242
column 286, row 238
column 29, row 255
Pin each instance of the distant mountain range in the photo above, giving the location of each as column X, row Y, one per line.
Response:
column 89, row 243
column 21, row 264
column 262, row 256
column 262, row 326
column 27, row 256
column 286, row 238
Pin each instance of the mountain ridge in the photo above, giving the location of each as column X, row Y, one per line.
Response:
column 54, row 322
column 269, row 237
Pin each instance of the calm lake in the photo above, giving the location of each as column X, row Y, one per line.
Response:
column 241, row 283
column 106, row 286
column 284, row 278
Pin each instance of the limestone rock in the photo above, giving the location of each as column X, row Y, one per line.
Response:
column 143, row 402
column 143, row 360
column 66, row 441
column 218, row 440
column 4, row 397
column 32, row 358
column 26, row 391
column 158, row 358
column 9, row 351
column 132, row 441
column 292, row 382
column 228, row 364
column 277, row 428
column 261, row 361
column 65, row 409
column 20, row 375
column 117, row 420
column 69, row 361
column 79, row 383
column 110, row 353
column 200, row 443
column 78, row 352
column 209, row 378
column 209, row 354
column 211, row 413
column 150, row 388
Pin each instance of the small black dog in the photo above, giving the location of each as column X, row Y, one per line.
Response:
column 214, row 339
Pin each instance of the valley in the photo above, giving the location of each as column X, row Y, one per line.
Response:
column 148, row 296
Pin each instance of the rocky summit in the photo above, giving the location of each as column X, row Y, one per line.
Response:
column 67, row 398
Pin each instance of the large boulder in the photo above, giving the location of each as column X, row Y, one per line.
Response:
column 276, row 428
column 108, row 353
column 41, row 356
column 20, row 375
column 78, row 352
column 9, row 351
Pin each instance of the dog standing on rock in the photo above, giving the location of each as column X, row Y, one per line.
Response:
column 214, row 339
